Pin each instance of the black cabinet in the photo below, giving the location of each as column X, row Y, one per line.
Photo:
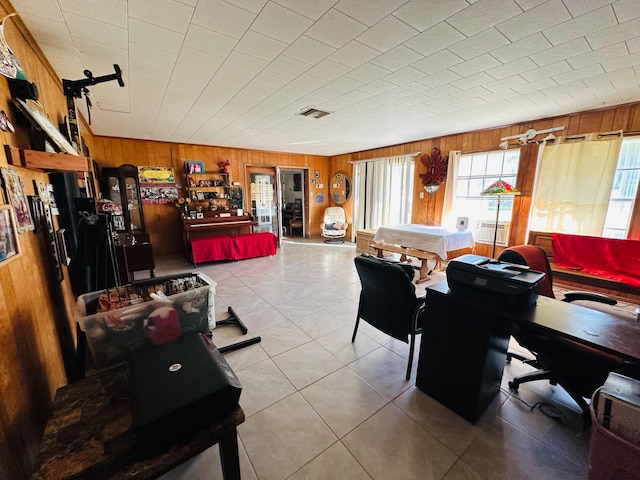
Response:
column 121, row 186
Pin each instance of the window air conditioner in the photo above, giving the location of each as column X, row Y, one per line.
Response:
column 485, row 231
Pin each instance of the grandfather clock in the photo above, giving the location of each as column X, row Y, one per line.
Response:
column 133, row 248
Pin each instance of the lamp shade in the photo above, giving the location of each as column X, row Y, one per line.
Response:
column 500, row 187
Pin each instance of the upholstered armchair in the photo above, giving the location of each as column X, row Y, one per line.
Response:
column 334, row 225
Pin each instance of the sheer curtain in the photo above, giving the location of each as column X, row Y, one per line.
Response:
column 383, row 192
column 573, row 184
column 448, row 215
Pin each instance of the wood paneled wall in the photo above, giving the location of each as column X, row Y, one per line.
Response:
column 36, row 312
column 428, row 210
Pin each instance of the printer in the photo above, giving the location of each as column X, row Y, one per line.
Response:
column 501, row 285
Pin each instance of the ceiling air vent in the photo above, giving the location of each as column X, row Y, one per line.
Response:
column 313, row 112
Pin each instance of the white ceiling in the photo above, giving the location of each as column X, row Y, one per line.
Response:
column 237, row 72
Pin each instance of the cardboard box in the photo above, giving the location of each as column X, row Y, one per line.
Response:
column 619, row 407
column 158, row 310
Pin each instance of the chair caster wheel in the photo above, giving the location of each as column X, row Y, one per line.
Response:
column 513, row 386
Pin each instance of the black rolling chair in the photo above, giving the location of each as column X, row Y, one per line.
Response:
column 577, row 368
column 388, row 300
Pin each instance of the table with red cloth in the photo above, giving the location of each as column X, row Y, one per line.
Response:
column 611, row 258
column 233, row 247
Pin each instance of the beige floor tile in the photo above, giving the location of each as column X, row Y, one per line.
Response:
column 245, row 357
column 283, row 337
column 319, row 323
column 307, row 363
column 391, row 445
column 385, row 371
column 335, row 463
column 263, row 384
column 260, row 320
column 340, row 345
column 343, row 400
column 504, row 452
column 277, row 444
column 462, row 471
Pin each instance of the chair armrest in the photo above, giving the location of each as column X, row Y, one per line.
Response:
column 322, row 225
column 591, row 296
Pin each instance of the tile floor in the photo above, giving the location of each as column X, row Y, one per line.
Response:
column 320, row 407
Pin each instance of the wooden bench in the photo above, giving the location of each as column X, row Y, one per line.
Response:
column 578, row 279
column 410, row 252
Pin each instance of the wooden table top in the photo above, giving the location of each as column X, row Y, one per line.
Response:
column 89, row 434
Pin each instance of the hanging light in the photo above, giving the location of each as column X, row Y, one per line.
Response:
column 432, row 188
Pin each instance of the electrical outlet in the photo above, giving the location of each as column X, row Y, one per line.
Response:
column 421, row 194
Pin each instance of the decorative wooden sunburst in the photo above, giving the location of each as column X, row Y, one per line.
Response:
column 436, row 168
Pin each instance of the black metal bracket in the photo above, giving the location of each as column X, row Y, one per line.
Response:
column 75, row 88
column 234, row 320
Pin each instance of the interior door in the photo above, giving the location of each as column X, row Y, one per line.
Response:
column 263, row 199
column 279, row 205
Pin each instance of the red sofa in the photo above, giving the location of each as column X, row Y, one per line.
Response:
column 233, row 247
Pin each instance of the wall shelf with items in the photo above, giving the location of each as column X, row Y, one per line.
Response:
column 213, row 191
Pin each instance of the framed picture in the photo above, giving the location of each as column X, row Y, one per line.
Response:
column 194, row 167
column 200, row 195
column 37, row 212
column 14, row 191
column 9, row 247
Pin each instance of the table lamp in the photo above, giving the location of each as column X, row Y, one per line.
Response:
column 498, row 188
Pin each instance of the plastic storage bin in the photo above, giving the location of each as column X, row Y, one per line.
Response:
column 158, row 310
column 610, row 456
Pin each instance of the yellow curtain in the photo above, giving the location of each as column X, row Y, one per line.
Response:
column 448, row 216
column 573, row 185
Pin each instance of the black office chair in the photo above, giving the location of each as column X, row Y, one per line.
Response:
column 577, row 368
column 388, row 300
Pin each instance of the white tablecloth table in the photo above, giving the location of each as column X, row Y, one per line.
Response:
column 438, row 240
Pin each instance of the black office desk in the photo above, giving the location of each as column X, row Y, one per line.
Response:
column 464, row 344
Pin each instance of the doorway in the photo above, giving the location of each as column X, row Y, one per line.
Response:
column 262, row 194
column 292, row 183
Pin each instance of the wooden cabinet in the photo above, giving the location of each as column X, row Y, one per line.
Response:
column 121, row 186
column 364, row 240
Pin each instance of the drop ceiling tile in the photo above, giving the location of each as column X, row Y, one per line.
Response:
column 421, row 15
column 608, row 77
column 579, row 74
column 205, row 40
column 377, row 87
column 580, row 7
column 478, row 44
column 436, row 62
column 404, row 75
column 441, row 91
column 309, row 50
column 472, row 81
column 96, row 31
column 532, row 21
column 165, row 13
column 367, row 73
column 223, row 18
column 145, row 54
column 633, row 45
column 155, row 36
column 288, row 66
column 396, row 58
column 368, row 12
column 354, row 54
column 335, row 29
column 442, row 101
column 499, row 95
column 578, row 27
column 435, row 39
column 565, row 87
column 280, row 23
column 245, row 63
column 45, row 9
column 512, row 68
column 468, row 103
column 534, row 86
column 51, row 34
column 626, row 10
column 92, row 52
column 505, row 84
column 308, row 81
column 439, row 78
column 615, row 34
column 622, row 62
column 344, row 84
column 272, row 79
column 521, row 48
column 483, row 15
column 261, row 46
column 561, row 52
column 313, row 9
column 475, row 65
column 410, row 89
column 198, row 59
column 113, row 12
column 254, row 6
column 329, row 69
column 386, row 34
column 598, row 56
column 546, row 71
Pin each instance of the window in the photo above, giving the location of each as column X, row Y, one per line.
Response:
column 624, row 190
column 476, row 172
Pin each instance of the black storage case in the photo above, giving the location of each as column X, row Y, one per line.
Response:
column 178, row 389
column 498, row 284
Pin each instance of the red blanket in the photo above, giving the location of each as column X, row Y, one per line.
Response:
column 611, row 258
column 233, row 247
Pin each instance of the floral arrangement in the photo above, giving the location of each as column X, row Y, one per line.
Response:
column 436, row 168
column 183, row 205
column 224, row 166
